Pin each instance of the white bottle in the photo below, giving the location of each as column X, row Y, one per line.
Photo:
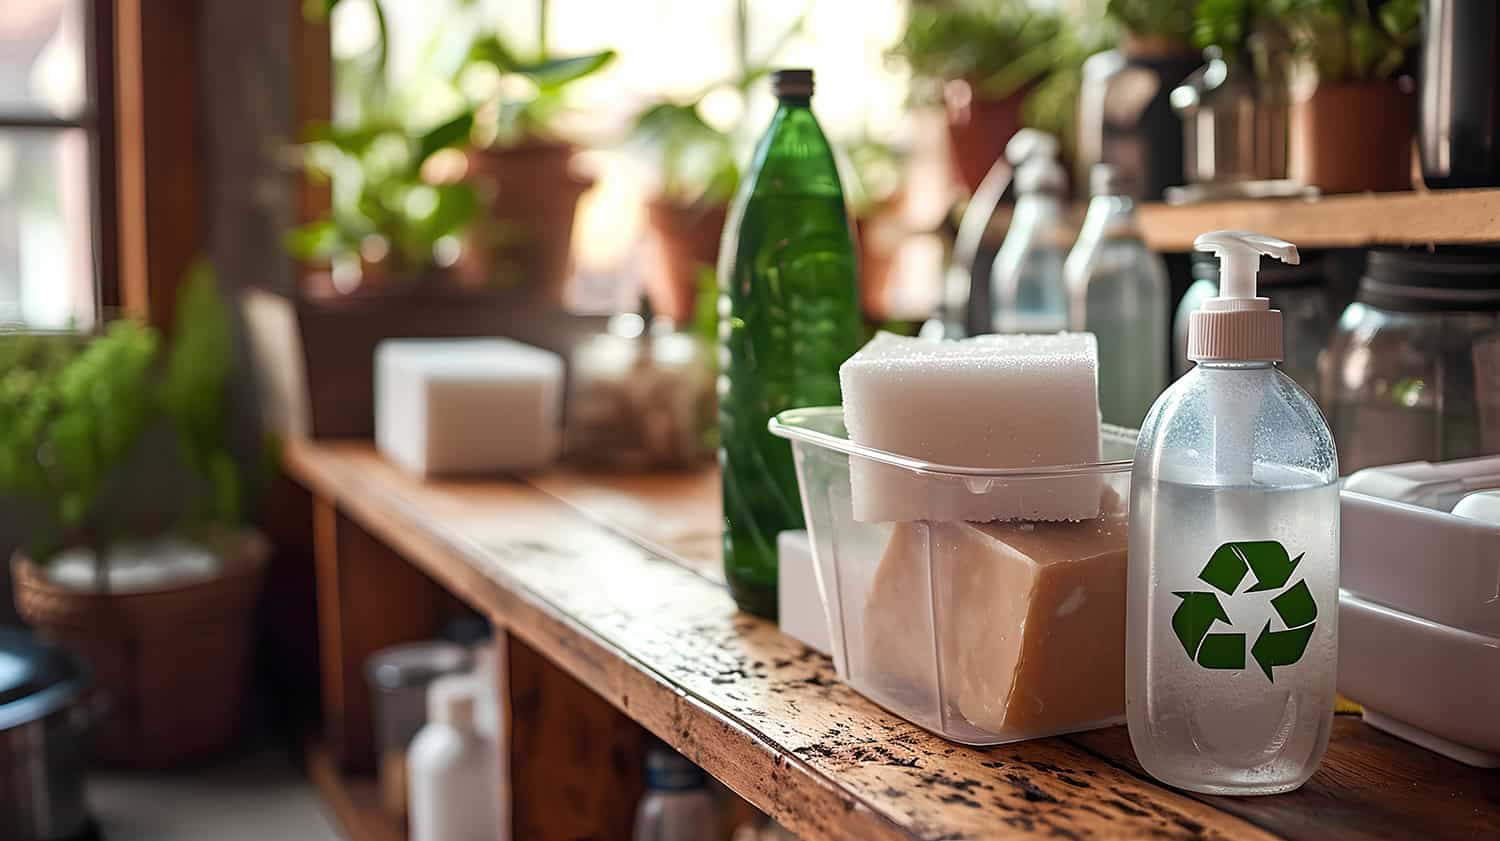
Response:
column 677, row 806
column 1027, row 282
column 1232, row 601
column 454, row 771
column 1117, row 290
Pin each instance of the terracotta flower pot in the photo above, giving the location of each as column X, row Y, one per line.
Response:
column 979, row 128
column 1351, row 137
column 879, row 233
column 174, row 661
column 524, row 240
column 689, row 240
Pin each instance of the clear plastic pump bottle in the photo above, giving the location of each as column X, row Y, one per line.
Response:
column 1117, row 290
column 1232, row 601
column 1028, row 292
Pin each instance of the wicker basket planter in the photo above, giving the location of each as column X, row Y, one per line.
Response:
column 174, row 661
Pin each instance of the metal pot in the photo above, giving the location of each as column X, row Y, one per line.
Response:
column 42, row 720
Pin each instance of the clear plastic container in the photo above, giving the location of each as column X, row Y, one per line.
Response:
column 1020, row 641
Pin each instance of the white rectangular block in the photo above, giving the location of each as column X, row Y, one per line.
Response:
column 447, row 406
column 799, row 604
column 987, row 402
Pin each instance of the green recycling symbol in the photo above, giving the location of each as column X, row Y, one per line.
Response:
column 1225, row 570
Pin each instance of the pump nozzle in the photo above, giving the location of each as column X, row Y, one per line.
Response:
column 1029, row 143
column 1238, row 325
column 1034, row 155
column 1239, row 258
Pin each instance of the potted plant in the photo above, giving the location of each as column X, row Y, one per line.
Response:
column 137, row 559
column 521, row 161
column 387, row 260
column 393, row 226
column 698, row 173
column 696, row 163
column 1353, row 120
column 983, row 58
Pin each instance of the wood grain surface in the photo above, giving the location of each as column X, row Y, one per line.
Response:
column 611, row 588
column 1371, row 785
column 1341, row 221
column 577, row 763
column 756, row 709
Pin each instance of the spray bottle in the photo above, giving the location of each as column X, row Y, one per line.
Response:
column 1028, row 291
column 1232, row 601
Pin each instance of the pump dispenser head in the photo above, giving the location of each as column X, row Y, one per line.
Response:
column 1237, row 325
column 1034, row 155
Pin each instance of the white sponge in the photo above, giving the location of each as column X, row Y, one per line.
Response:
column 448, row 406
column 1022, row 401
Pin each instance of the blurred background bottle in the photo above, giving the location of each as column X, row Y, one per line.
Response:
column 1117, row 290
column 1028, row 292
column 789, row 316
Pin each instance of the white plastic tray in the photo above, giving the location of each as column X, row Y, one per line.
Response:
column 1421, row 561
column 1425, row 682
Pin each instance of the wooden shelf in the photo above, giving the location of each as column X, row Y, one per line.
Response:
column 1344, row 221
column 353, row 798
column 609, row 580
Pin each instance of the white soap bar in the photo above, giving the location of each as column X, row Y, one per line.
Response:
column 986, row 402
column 799, row 605
column 446, row 406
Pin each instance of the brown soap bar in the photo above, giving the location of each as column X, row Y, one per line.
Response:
column 1030, row 621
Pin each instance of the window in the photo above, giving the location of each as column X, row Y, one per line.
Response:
column 49, row 172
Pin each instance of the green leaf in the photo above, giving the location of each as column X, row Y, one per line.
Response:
column 454, row 132
column 317, row 240
column 318, row 10
column 1170, row 19
column 224, row 477
column 489, row 49
column 555, row 72
column 1226, row 24
column 351, row 140
column 455, row 207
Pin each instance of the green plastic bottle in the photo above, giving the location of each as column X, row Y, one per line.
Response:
column 789, row 317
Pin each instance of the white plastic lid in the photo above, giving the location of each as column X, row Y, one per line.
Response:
column 1034, row 155
column 1237, row 325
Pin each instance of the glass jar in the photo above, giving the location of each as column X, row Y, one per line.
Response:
column 1298, row 291
column 1412, row 370
column 640, row 396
